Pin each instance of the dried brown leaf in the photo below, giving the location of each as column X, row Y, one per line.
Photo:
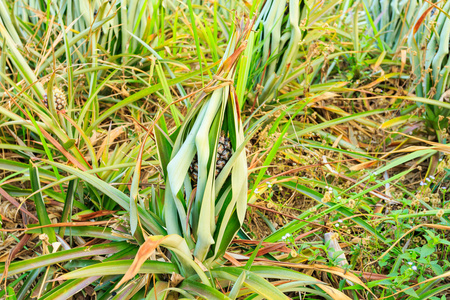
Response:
column 334, row 293
column 144, row 252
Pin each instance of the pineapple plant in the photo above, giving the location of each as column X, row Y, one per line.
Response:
column 391, row 20
column 430, row 60
column 208, row 153
column 281, row 29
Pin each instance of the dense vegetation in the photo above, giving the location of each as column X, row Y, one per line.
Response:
column 266, row 149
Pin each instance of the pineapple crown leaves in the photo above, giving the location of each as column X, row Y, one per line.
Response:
column 230, row 62
column 240, row 38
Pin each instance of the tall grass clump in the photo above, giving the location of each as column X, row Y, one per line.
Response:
column 430, row 60
column 391, row 21
column 280, row 28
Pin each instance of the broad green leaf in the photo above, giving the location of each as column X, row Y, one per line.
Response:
column 340, row 121
column 202, row 290
column 89, row 231
column 69, row 288
column 252, row 281
column 40, row 205
column 399, row 120
column 62, row 256
column 120, row 267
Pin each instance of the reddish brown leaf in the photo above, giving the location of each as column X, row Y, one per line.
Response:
column 233, row 260
column 274, row 247
column 422, row 17
column 231, row 60
column 16, row 204
column 69, row 156
column 67, row 224
column 6, row 219
column 12, row 254
column 93, row 215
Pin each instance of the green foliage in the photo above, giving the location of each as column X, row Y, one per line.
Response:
column 430, row 62
column 391, row 21
column 334, row 188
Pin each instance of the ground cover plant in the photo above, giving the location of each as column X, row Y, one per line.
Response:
column 262, row 149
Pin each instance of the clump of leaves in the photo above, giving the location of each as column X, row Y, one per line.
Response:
column 430, row 59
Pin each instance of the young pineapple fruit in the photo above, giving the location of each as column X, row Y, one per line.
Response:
column 222, row 157
column 59, row 99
